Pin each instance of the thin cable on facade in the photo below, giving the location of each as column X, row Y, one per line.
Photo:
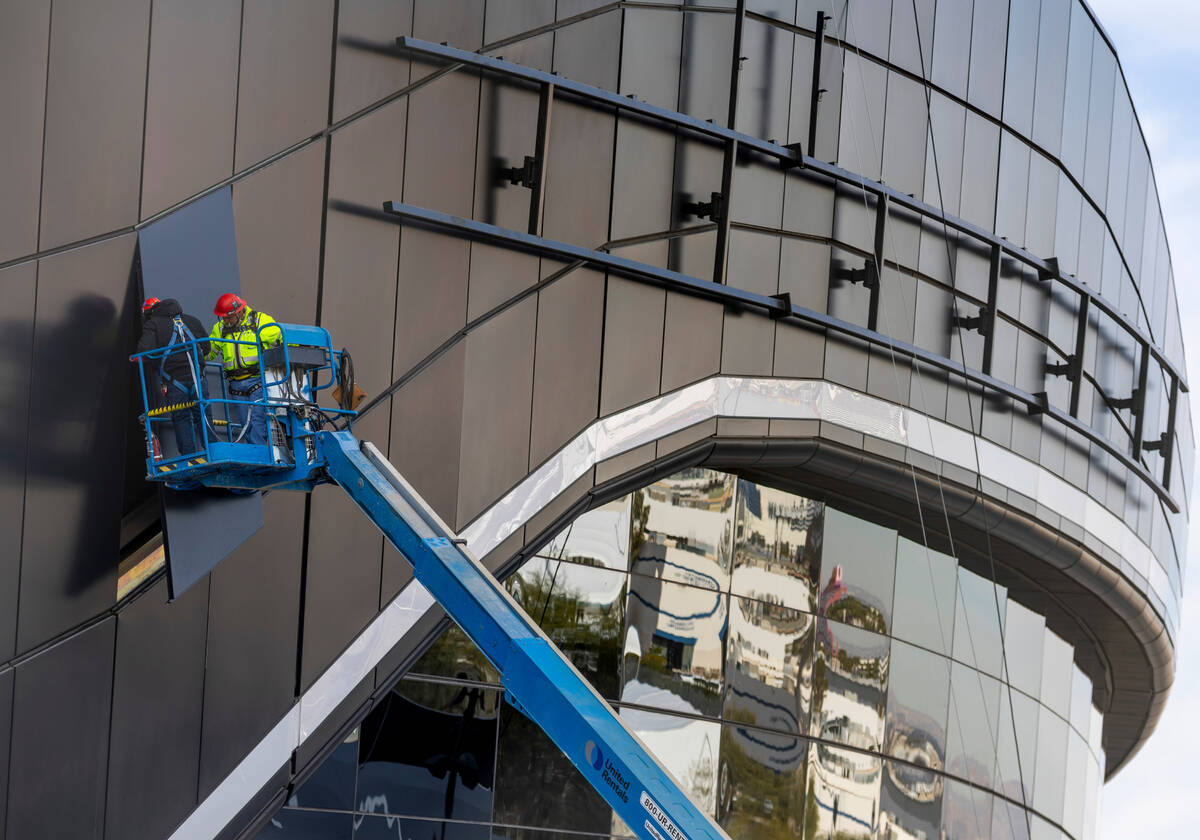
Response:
column 920, row 384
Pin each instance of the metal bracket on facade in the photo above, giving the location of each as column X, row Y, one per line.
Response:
column 713, row 209
column 817, row 90
column 520, row 176
column 1156, row 445
column 982, row 322
column 1042, row 406
column 1133, row 402
column 785, row 306
column 853, row 276
column 797, row 159
column 1069, row 368
column 1051, row 271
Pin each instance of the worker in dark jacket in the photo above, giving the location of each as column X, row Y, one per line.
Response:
column 178, row 377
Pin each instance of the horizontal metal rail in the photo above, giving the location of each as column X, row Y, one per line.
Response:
column 791, row 158
column 776, row 307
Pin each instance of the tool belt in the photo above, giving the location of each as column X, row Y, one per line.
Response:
column 242, row 374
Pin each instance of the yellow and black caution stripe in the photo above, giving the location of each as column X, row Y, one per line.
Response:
column 167, row 409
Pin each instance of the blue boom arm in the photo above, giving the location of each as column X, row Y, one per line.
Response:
column 538, row 679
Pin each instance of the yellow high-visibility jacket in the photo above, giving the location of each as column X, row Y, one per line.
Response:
column 240, row 361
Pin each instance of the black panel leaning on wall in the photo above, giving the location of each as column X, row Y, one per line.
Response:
column 80, row 378
column 60, row 738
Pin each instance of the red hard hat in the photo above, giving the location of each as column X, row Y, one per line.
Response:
column 149, row 304
column 227, row 304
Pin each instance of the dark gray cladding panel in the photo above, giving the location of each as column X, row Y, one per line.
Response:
column 252, row 631
column 95, row 100
column 158, row 686
column 60, row 727
column 24, row 44
column 191, row 255
column 201, row 528
column 191, row 99
column 84, row 335
column 6, row 692
column 17, row 289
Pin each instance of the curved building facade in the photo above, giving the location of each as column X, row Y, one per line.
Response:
column 812, row 368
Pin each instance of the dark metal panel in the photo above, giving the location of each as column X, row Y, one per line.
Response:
column 1050, row 87
column 95, row 101
column 577, row 197
column 283, row 86
column 508, row 134
column 906, row 129
column 497, row 274
column 642, row 176
column 651, row 56
column 24, row 44
column 633, row 344
column 511, row 18
column 440, row 155
column 457, row 22
column 692, row 331
column 359, row 303
column 76, row 453
column 6, row 695
column 277, row 212
column 496, row 405
column 252, row 631
column 341, row 588
column 60, row 738
column 364, row 76
column 158, row 688
column 18, row 287
column 747, row 345
column 191, row 99
column 589, row 50
column 566, row 373
column 432, row 295
column 426, row 431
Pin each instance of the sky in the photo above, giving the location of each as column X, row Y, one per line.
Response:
column 1158, row 45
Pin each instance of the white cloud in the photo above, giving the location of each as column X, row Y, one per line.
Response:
column 1151, row 24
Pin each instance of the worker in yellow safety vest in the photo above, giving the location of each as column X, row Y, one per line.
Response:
column 239, row 323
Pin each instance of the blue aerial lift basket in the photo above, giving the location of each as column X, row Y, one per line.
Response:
column 302, row 453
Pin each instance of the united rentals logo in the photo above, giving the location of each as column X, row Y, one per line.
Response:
column 609, row 773
column 594, row 756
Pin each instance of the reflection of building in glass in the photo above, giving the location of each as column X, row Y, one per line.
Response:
column 867, row 707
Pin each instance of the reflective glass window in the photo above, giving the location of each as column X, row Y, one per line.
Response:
column 392, row 828
column 582, row 609
column 404, row 766
column 673, row 645
column 1024, row 632
column 910, row 801
column 843, row 793
column 689, row 749
column 761, row 783
column 455, row 655
column 1049, row 776
column 777, row 546
column 769, row 665
column 977, row 623
column 973, row 720
column 294, row 824
column 966, row 812
column 925, row 594
column 1057, row 671
column 858, row 566
column 918, row 694
column 1016, row 744
column 332, row 785
column 850, row 677
column 684, row 532
column 536, row 785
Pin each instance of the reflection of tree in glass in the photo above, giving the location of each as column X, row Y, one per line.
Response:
column 755, row 801
column 850, row 610
column 639, row 515
column 454, row 655
column 588, row 633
